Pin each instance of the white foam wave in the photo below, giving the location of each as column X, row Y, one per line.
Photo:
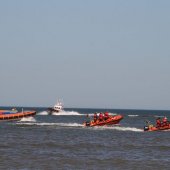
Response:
column 70, row 124
column 42, row 113
column 50, row 124
column 118, row 128
column 28, row 119
column 67, row 113
column 133, row 129
column 133, row 115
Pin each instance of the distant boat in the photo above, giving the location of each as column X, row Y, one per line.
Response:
column 6, row 115
column 58, row 107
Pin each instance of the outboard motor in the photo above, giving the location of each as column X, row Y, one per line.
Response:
column 87, row 123
column 146, row 128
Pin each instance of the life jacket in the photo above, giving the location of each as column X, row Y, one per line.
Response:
column 106, row 115
column 100, row 116
column 158, row 122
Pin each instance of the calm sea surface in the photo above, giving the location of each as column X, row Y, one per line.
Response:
column 52, row 142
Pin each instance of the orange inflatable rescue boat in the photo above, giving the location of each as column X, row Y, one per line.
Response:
column 112, row 120
column 14, row 115
column 154, row 128
column 161, row 124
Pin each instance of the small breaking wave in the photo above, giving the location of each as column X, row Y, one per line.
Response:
column 133, row 115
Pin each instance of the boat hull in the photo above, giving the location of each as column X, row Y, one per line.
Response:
column 112, row 120
column 8, row 111
column 16, row 116
column 52, row 110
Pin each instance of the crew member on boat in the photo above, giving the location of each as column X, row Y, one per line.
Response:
column 149, row 124
column 165, row 121
column 87, row 120
column 101, row 117
column 158, row 122
column 106, row 115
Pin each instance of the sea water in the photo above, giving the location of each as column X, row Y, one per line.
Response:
column 60, row 141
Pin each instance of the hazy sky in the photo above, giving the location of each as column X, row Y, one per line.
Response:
column 89, row 53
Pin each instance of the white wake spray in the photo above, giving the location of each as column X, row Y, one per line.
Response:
column 32, row 122
column 43, row 113
column 119, row 128
column 65, row 113
column 27, row 119
column 133, row 115
column 50, row 124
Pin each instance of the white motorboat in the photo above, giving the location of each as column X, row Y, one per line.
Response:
column 58, row 107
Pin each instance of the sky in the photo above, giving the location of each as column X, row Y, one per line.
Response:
column 89, row 54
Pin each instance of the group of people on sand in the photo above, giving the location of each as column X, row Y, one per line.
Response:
column 162, row 122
